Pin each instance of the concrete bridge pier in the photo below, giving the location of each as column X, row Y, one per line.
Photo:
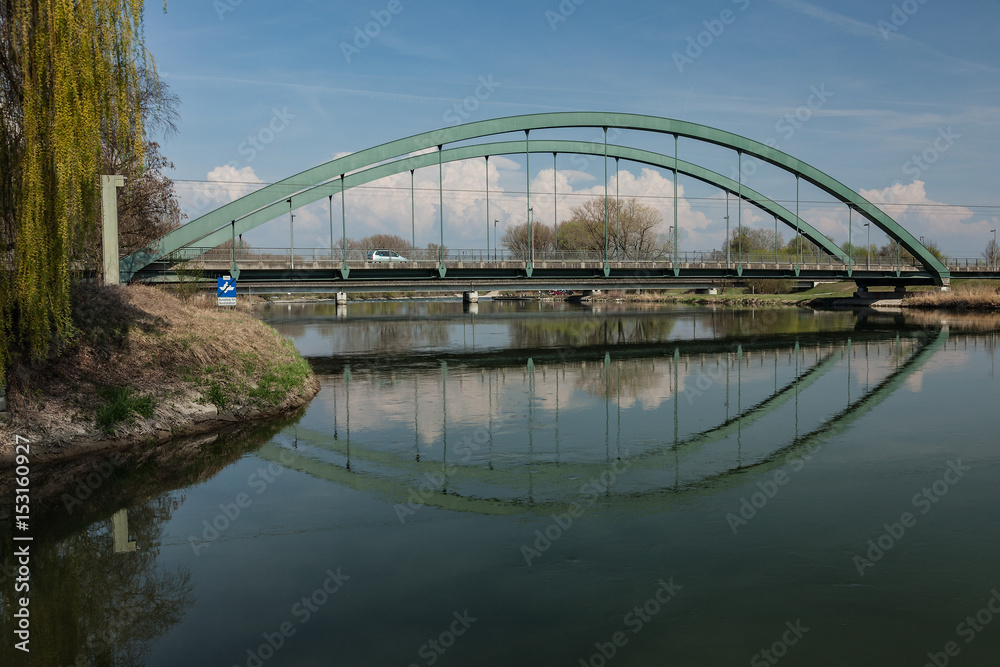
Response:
column 340, row 298
column 470, row 297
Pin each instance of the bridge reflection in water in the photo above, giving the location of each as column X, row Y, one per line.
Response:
column 642, row 422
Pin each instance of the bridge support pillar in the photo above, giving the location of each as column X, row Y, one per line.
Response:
column 470, row 297
column 862, row 293
column 900, row 291
column 109, row 227
column 942, row 288
column 340, row 298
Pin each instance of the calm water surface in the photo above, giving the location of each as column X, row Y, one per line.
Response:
column 550, row 484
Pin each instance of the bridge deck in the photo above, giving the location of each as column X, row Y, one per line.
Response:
column 316, row 274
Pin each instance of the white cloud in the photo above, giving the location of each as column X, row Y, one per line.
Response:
column 227, row 183
column 957, row 229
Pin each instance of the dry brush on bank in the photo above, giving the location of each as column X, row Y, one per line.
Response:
column 145, row 365
column 969, row 296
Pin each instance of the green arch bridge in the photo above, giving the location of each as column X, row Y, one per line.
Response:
column 332, row 269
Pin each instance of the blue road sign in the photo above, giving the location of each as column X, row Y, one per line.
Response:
column 227, row 291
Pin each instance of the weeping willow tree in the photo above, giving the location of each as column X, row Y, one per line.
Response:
column 71, row 79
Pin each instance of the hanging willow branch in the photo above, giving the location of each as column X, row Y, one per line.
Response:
column 71, row 77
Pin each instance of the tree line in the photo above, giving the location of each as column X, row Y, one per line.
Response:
column 759, row 241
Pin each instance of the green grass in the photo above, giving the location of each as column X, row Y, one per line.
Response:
column 216, row 395
column 278, row 380
column 121, row 405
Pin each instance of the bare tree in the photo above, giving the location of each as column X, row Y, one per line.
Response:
column 432, row 251
column 147, row 205
column 392, row 242
column 891, row 250
column 992, row 253
column 633, row 229
column 518, row 239
column 755, row 240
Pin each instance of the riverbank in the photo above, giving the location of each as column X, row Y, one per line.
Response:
column 737, row 297
column 147, row 367
column 964, row 296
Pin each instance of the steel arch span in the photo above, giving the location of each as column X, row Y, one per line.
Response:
column 339, row 175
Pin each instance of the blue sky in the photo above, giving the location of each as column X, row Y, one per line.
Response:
column 270, row 89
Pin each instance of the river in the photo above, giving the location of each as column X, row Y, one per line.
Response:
column 543, row 483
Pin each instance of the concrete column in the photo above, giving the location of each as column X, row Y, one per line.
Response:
column 109, row 236
column 470, row 297
column 119, row 532
column 900, row 291
column 340, row 298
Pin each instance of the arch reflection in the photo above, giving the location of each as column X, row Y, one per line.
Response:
column 479, row 433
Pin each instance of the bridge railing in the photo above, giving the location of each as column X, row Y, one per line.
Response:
column 970, row 264
column 323, row 257
column 313, row 255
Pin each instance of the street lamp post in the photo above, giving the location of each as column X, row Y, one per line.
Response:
column 868, row 248
column 495, row 221
column 995, row 254
column 291, row 228
column 531, row 237
column 727, row 234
